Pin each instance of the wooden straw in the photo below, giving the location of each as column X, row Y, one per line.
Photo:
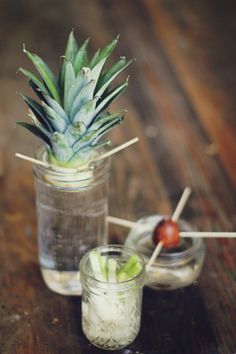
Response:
column 175, row 217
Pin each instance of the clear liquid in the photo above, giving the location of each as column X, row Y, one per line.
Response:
column 69, row 224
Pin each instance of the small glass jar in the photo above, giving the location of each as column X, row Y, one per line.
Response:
column 174, row 268
column 71, row 209
column 111, row 312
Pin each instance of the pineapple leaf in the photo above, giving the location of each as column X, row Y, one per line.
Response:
column 70, row 54
column 46, row 74
column 91, row 137
column 71, row 48
column 82, row 79
column 36, row 131
column 39, row 113
column 104, row 129
column 56, row 120
column 110, row 75
column 57, row 108
column 81, row 58
column 101, row 144
column 95, row 72
column 34, row 78
column 117, row 91
column 101, row 120
column 37, row 123
column 69, row 79
column 74, row 132
column 86, row 112
column 61, row 148
column 83, row 96
column 104, row 54
column 95, row 59
column 37, row 90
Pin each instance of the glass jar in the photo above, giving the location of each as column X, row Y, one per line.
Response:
column 174, row 268
column 71, row 210
column 111, row 312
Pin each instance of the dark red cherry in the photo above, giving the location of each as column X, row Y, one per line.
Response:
column 166, row 231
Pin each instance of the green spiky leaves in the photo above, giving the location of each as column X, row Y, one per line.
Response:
column 72, row 114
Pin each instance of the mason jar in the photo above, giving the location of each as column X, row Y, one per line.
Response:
column 111, row 312
column 71, row 213
column 174, row 267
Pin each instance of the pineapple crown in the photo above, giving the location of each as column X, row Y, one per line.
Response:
column 72, row 115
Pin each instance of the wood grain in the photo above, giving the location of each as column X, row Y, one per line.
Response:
column 181, row 103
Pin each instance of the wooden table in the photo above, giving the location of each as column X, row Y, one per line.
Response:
column 181, row 104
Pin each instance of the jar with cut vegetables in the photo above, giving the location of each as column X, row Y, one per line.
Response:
column 112, row 279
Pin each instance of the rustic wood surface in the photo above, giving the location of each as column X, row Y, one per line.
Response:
column 181, row 103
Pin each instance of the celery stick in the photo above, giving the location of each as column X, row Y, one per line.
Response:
column 95, row 265
column 129, row 264
column 103, row 266
column 122, row 277
column 132, row 272
column 111, row 266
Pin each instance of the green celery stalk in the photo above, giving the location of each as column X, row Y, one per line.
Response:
column 129, row 264
column 94, row 258
column 103, row 266
column 112, row 266
column 132, row 272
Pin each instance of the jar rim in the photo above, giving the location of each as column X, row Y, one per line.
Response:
column 123, row 284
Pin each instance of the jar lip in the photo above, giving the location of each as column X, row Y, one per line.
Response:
column 173, row 256
column 113, row 247
column 41, row 154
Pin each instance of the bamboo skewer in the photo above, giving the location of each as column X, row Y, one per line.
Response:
column 59, row 168
column 117, row 149
column 128, row 224
column 187, row 234
column 181, row 204
column 45, row 164
column 31, row 159
column 206, row 234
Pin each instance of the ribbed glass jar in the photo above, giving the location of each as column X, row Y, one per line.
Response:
column 174, row 268
column 111, row 312
column 71, row 211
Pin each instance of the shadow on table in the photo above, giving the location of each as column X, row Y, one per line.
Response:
column 175, row 322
